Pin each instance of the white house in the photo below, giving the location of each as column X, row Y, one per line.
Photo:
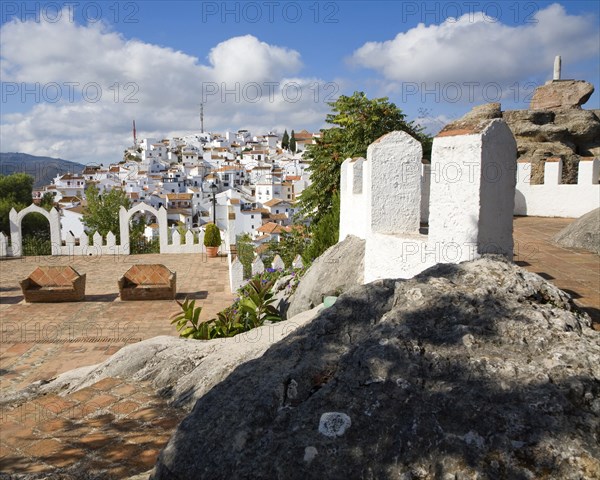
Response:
column 71, row 222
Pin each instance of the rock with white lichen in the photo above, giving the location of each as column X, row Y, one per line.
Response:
column 478, row 370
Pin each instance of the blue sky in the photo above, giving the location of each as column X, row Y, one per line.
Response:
column 74, row 79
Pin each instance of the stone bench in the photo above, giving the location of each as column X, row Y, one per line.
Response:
column 53, row 284
column 148, row 282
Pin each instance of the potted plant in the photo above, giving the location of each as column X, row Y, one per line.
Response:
column 212, row 239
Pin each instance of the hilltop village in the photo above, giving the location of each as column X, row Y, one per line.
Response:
column 246, row 184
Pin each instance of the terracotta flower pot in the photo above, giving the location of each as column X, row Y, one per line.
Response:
column 212, row 252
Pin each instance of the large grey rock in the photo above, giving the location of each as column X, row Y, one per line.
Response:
column 338, row 269
column 582, row 233
column 477, row 370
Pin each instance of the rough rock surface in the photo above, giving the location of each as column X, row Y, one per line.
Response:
column 478, row 370
column 565, row 131
column 582, row 233
column 561, row 94
column 182, row 370
column 556, row 126
column 338, row 269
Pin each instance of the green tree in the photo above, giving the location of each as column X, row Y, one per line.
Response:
column 290, row 245
column 16, row 192
column 47, row 201
column 325, row 233
column 357, row 122
column 102, row 211
column 17, row 188
column 245, row 252
column 285, row 140
column 292, row 143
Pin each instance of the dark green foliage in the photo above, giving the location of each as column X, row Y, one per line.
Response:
column 252, row 310
column 292, row 143
column 188, row 321
column 245, row 252
column 102, row 211
column 356, row 123
column 142, row 245
column 285, row 141
column 16, row 192
column 138, row 243
column 17, row 188
column 212, row 236
column 257, row 306
column 47, row 201
column 326, row 232
column 34, row 245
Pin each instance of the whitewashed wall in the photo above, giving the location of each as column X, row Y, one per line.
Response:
column 553, row 199
column 469, row 190
column 110, row 245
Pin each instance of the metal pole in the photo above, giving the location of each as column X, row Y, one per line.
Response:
column 214, row 200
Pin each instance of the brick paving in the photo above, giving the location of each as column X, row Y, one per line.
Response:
column 100, row 431
column 577, row 272
column 114, row 429
column 111, row 429
column 40, row 340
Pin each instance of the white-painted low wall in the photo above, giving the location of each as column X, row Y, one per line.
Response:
column 100, row 246
column 553, row 199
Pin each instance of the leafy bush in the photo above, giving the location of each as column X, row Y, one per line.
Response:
column 143, row 245
column 326, row 232
column 34, row 246
column 250, row 311
column 245, row 252
column 212, row 236
column 190, row 314
column 253, row 307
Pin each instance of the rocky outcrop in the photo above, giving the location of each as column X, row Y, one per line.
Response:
column 477, row 370
column 561, row 94
column 337, row 270
column 583, row 233
column 554, row 127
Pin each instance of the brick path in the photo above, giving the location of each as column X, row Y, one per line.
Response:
column 40, row 340
column 111, row 429
column 577, row 272
column 115, row 429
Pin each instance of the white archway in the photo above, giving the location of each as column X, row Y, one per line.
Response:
column 161, row 217
column 16, row 234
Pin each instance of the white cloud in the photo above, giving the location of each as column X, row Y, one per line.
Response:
column 157, row 86
column 473, row 48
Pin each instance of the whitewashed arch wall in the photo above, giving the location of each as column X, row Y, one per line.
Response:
column 16, row 234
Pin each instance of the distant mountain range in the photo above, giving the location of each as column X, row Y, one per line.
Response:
column 42, row 169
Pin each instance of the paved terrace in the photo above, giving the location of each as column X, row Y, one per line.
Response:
column 113, row 428
column 116, row 428
column 40, row 340
column 577, row 272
